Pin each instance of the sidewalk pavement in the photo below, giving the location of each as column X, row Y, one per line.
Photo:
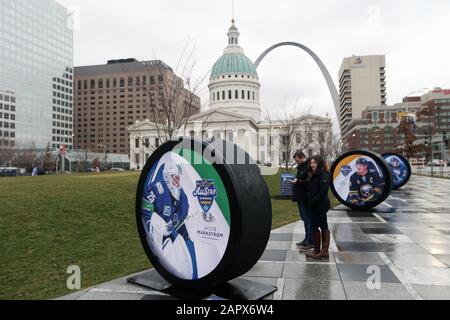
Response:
column 406, row 241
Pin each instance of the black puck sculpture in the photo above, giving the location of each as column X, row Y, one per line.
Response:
column 203, row 212
column 361, row 180
column 400, row 169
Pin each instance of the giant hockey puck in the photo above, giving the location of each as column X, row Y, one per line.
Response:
column 400, row 169
column 361, row 180
column 204, row 213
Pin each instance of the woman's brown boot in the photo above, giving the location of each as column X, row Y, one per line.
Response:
column 316, row 240
column 324, row 254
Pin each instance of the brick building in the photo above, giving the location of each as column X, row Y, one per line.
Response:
column 111, row 97
column 378, row 130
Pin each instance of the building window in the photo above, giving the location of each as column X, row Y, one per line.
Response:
column 236, row 94
column 223, row 95
column 310, row 138
column 136, row 159
column 243, row 94
column 229, row 95
column 137, row 144
column 231, row 136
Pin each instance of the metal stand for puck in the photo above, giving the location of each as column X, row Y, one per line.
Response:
column 237, row 289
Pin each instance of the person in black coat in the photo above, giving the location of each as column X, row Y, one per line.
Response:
column 299, row 196
column 319, row 205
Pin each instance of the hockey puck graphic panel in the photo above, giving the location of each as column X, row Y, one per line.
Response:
column 361, row 180
column 196, row 213
column 400, row 169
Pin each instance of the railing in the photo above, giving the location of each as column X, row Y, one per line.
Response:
column 436, row 171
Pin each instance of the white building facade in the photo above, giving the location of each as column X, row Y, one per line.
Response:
column 235, row 114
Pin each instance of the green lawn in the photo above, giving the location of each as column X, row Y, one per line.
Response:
column 50, row 223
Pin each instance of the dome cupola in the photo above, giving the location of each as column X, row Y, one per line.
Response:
column 234, row 83
column 233, row 60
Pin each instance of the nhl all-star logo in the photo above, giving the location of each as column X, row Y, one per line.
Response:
column 206, row 193
column 346, row 170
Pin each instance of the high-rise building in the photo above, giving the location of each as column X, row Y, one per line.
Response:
column 36, row 61
column 111, row 97
column 362, row 83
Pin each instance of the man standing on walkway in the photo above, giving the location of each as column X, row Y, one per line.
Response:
column 299, row 196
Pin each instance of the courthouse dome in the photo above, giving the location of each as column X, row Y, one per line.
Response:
column 233, row 61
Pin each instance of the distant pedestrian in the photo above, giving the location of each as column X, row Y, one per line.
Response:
column 319, row 205
column 35, row 172
column 300, row 197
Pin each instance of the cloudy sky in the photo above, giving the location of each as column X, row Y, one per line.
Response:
column 413, row 34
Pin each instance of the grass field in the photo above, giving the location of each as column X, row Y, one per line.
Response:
column 49, row 223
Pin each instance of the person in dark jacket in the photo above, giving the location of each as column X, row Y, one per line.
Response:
column 299, row 196
column 319, row 205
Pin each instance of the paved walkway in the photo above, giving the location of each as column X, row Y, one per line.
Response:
column 406, row 240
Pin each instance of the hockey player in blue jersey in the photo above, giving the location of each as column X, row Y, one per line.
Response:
column 366, row 184
column 165, row 211
column 399, row 172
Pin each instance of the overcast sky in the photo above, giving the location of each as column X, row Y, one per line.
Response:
column 413, row 34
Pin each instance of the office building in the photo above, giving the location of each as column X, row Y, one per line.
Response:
column 36, row 71
column 362, row 83
column 111, row 97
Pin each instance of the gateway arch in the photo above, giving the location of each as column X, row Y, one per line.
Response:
column 326, row 74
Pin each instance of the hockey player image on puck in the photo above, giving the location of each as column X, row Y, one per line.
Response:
column 400, row 168
column 202, row 223
column 361, row 180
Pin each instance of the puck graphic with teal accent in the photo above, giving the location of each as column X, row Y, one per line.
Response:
column 203, row 211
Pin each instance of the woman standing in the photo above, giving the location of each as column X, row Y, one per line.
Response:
column 319, row 205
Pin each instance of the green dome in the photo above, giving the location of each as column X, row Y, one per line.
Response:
column 231, row 63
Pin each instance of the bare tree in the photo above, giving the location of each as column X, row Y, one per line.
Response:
column 329, row 142
column 296, row 132
column 25, row 156
column 173, row 98
column 7, row 154
column 406, row 128
column 48, row 162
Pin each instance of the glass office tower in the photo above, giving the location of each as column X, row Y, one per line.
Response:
column 36, row 74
